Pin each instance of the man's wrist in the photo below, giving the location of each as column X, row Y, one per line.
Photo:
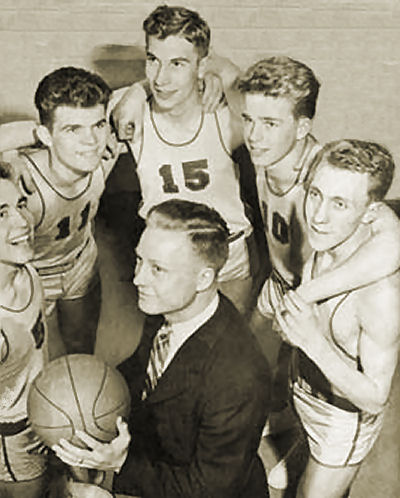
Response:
column 120, row 462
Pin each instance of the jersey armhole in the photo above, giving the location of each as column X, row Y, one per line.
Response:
column 220, row 134
column 37, row 191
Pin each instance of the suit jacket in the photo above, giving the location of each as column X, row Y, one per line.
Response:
column 196, row 435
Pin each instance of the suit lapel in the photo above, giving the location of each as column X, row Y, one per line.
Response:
column 187, row 365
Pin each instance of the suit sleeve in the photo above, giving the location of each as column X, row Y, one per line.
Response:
column 233, row 413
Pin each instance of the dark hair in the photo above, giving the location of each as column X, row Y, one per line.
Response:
column 5, row 171
column 69, row 86
column 204, row 226
column 165, row 21
column 362, row 157
column 283, row 77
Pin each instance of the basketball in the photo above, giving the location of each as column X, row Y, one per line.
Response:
column 77, row 392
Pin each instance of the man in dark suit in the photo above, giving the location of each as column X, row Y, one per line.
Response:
column 200, row 403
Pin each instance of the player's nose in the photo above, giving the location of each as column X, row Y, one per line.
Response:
column 21, row 218
column 321, row 213
column 89, row 136
column 162, row 77
column 255, row 133
column 139, row 277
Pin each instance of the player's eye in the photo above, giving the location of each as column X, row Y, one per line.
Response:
column 150, row 58
column 339, row 204
column 3, row 213
column 177, row 63
column 270, row 124
column 157, row 269
column 246, row 118
column 313, row 193
column 101, row 124
column 23, row 203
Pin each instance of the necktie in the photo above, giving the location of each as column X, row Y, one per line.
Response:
column 158, row 355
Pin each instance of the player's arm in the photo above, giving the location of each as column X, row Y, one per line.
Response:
column 377, row 258
column 126, row 110
column 269, row 300
column 127, row 104
column 110, row 156
column 231, row 129
column 22, row 177
column 227, row 72
column 378, row 348
column 17, row 134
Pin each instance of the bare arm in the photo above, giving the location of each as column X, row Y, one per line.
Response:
column 228, row 72
column 126, row 108
column 368, row 389
column 376, row 259
column 17, row 134
column 113, row 149
column 127, row 104
column 231, row 128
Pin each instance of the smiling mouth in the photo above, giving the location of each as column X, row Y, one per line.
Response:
column 144, row 293
column 258, row 151
column 318, row 231
column 90, row 153
column 20, row 239
column 164, row 94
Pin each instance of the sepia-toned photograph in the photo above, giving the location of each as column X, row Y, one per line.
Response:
column 199, row 249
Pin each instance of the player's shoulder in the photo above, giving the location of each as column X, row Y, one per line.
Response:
column 311, row 149
column 230, row 127
column 37, row 155
column 379, row 301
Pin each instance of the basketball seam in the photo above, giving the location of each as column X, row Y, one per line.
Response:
column 103, row 381
column 99, row 417
column 117, row 407
column 75, row 394
column 53, row 404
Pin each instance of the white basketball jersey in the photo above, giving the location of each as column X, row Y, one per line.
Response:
column 22, row 351
column 63, row 228
column 200, row 170
column 283, row 218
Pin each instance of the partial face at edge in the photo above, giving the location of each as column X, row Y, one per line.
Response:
column 270, row 129
column 16, row 225
column 336, row 203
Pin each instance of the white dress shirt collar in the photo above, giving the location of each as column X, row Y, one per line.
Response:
column 181, row 331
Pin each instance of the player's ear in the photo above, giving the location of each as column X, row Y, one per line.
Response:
column 371, row 213
column 205, row 278
column 303, row 127
column 44, row 135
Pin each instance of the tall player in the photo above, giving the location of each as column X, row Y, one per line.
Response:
column 279, row 101
column 22, row 345
column 348, row 345
column 183, row 152
column 69, row 175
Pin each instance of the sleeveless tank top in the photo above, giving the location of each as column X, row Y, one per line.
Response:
column 64, row 227
column 283, row 218
column 200, row 170
column 22, row 352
